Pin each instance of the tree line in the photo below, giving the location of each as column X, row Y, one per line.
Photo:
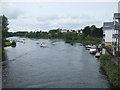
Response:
column 91, row 34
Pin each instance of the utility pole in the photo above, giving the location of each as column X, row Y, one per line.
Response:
column 119, row 25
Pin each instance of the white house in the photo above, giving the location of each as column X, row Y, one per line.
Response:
column 64, row 30
column 108, row 29
column 112, row 32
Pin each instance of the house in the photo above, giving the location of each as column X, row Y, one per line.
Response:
column 108, row 31
column 64, row 30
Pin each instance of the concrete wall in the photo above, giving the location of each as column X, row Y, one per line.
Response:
column 108, row 43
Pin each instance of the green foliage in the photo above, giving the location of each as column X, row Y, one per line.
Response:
column 37, row 35
column 111, row 69
column 4, row 27
column 4, row 34
column 91, row 40
column 13, row 43
column 86, row 31
column 93, row 31
column 90, row 35
column 7, row 43
column 109, row 47
column 19, row 33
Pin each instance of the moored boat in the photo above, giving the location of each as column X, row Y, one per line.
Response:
column 88, row 47
column 93, row 50
column 97, row 54
column 43, row 45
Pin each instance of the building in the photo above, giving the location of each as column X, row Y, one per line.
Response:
column 112, row 33
column 116, row 35
column 108, row 31
column 64, row 30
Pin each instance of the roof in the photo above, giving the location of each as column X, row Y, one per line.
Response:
column 108, row 25
column 116, row 16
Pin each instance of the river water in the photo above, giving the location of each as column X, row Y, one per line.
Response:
column 59, row 65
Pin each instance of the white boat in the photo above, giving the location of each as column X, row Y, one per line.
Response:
column 97, row 54
column 88, row 47
column 93, row 50
column 43, row 45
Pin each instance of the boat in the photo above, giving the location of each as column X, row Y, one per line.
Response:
column 81, row 44
column 93, row 50
column 13, row 44
column 97, row 54
column 88, row 47
column 37, row 42
column 43, row 45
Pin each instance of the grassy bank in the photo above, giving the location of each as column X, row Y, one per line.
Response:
column 8, row 43
column 111, row 69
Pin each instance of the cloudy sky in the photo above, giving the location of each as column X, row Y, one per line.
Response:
column 49, row 14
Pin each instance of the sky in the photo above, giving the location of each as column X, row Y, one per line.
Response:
column 44, row 15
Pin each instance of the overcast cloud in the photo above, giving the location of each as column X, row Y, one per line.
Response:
column 48, row 15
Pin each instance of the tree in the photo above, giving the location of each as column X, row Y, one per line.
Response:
column 86, row 31
column 4, row 33
column 4, row 27
column 93, row 32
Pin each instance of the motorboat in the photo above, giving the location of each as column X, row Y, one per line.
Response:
column 97, row 54
column 43, row 45
column 81, row 44
column 93, row 50
column 37, row 42
column 88, row 47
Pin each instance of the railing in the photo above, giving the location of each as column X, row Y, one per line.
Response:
column 114, row 43
column 116, row 27
column 115, row 36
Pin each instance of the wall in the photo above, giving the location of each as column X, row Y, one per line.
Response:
column 108, row 35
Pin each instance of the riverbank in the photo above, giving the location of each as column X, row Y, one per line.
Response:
column 8, row 43
column 111, row 70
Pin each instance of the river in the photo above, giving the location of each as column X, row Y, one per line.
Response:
column 59, row 65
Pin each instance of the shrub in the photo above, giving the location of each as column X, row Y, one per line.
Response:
column 111, row 69
column 7, row 43
column 105, row 57
column 109, row 47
